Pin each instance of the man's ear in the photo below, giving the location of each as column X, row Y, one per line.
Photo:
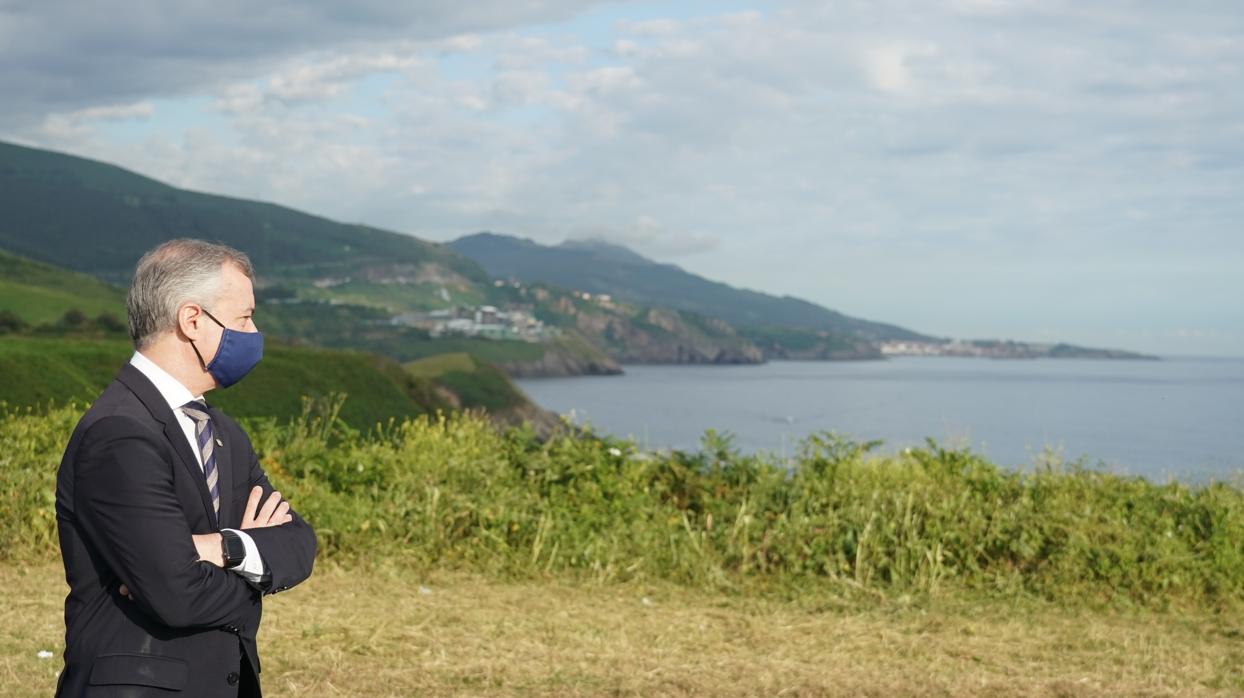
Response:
column 190, row 321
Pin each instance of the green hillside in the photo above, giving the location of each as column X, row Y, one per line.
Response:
column 40, row 293
column 98, row 218
column 323, row 283
column 319, row 282
column 810, row 345
column 38, row 296
column 474, row 381
column 36, row 371
column 634, row 333
column 489, row 350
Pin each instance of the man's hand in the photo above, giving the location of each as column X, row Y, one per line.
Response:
column 273, row 513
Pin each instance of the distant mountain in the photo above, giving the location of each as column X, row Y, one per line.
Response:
column 599, row 267
column 604, row 251
column 98, row 218
column 321, row 282
column 629, row 333
column 345, row 286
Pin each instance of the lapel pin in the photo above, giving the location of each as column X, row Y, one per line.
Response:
column 219, row 442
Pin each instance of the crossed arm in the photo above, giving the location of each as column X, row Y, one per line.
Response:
column 274, row 512
column 125, row 499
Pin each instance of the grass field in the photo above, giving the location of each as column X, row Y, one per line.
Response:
column 401, row 632
column 456, row 559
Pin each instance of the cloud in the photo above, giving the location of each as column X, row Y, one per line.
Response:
column 76, row 124
column 648, row 236
column 314, row 80
column 916, row 162
column 651, row 27
column 887, row 68
column 62, row 56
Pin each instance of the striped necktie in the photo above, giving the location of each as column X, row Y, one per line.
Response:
column 207, row 446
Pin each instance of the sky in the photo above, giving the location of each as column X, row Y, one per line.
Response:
column 1041, row 170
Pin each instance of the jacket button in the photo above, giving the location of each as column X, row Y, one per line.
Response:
column 232, row 678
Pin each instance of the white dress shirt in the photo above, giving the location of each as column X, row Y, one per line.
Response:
column 175, row 394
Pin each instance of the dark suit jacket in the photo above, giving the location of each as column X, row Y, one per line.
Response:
column 129, row 494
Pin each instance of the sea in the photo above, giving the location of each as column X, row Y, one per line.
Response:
column 1174, row 419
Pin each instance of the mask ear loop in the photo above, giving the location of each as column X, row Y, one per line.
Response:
column 196, row 349
column 196, row 353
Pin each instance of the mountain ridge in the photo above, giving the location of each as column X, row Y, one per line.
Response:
column 646, row 281
column 116, row 212
column 782, row 327
column 94, row 217
column 335, row 284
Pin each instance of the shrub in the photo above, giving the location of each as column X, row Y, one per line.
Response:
column 452, row 490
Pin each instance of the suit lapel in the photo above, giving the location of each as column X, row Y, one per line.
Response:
column 134, row 379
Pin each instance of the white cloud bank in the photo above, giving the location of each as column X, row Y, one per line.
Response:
column 969, row 168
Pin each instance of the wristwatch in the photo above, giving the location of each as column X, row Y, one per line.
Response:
column 232, row 549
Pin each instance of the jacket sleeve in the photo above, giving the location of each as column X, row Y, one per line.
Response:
column 125, row 499
column 287, row 550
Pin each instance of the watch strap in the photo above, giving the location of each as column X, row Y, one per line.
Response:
column 232, row 549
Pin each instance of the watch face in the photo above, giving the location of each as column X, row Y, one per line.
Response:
column 234, row 548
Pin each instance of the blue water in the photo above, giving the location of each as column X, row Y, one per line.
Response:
column 1178, row 418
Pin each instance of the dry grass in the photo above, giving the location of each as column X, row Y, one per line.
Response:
column 403, row 633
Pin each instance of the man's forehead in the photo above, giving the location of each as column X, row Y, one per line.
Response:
column 237, row 287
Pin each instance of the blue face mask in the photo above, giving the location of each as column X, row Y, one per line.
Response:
column 239, row 352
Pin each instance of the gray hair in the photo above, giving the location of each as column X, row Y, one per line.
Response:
column 175, row 273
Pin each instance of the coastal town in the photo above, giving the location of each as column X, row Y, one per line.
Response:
column 487, row 321
column 1001, row 349
column 962, row 348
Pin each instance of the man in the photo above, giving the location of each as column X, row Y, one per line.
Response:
column 169, row 530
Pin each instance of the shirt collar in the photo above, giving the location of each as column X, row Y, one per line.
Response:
column 171, row 389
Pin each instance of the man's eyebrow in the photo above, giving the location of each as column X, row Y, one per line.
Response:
column 250, row 309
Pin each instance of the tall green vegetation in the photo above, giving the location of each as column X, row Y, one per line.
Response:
column 453, row 491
